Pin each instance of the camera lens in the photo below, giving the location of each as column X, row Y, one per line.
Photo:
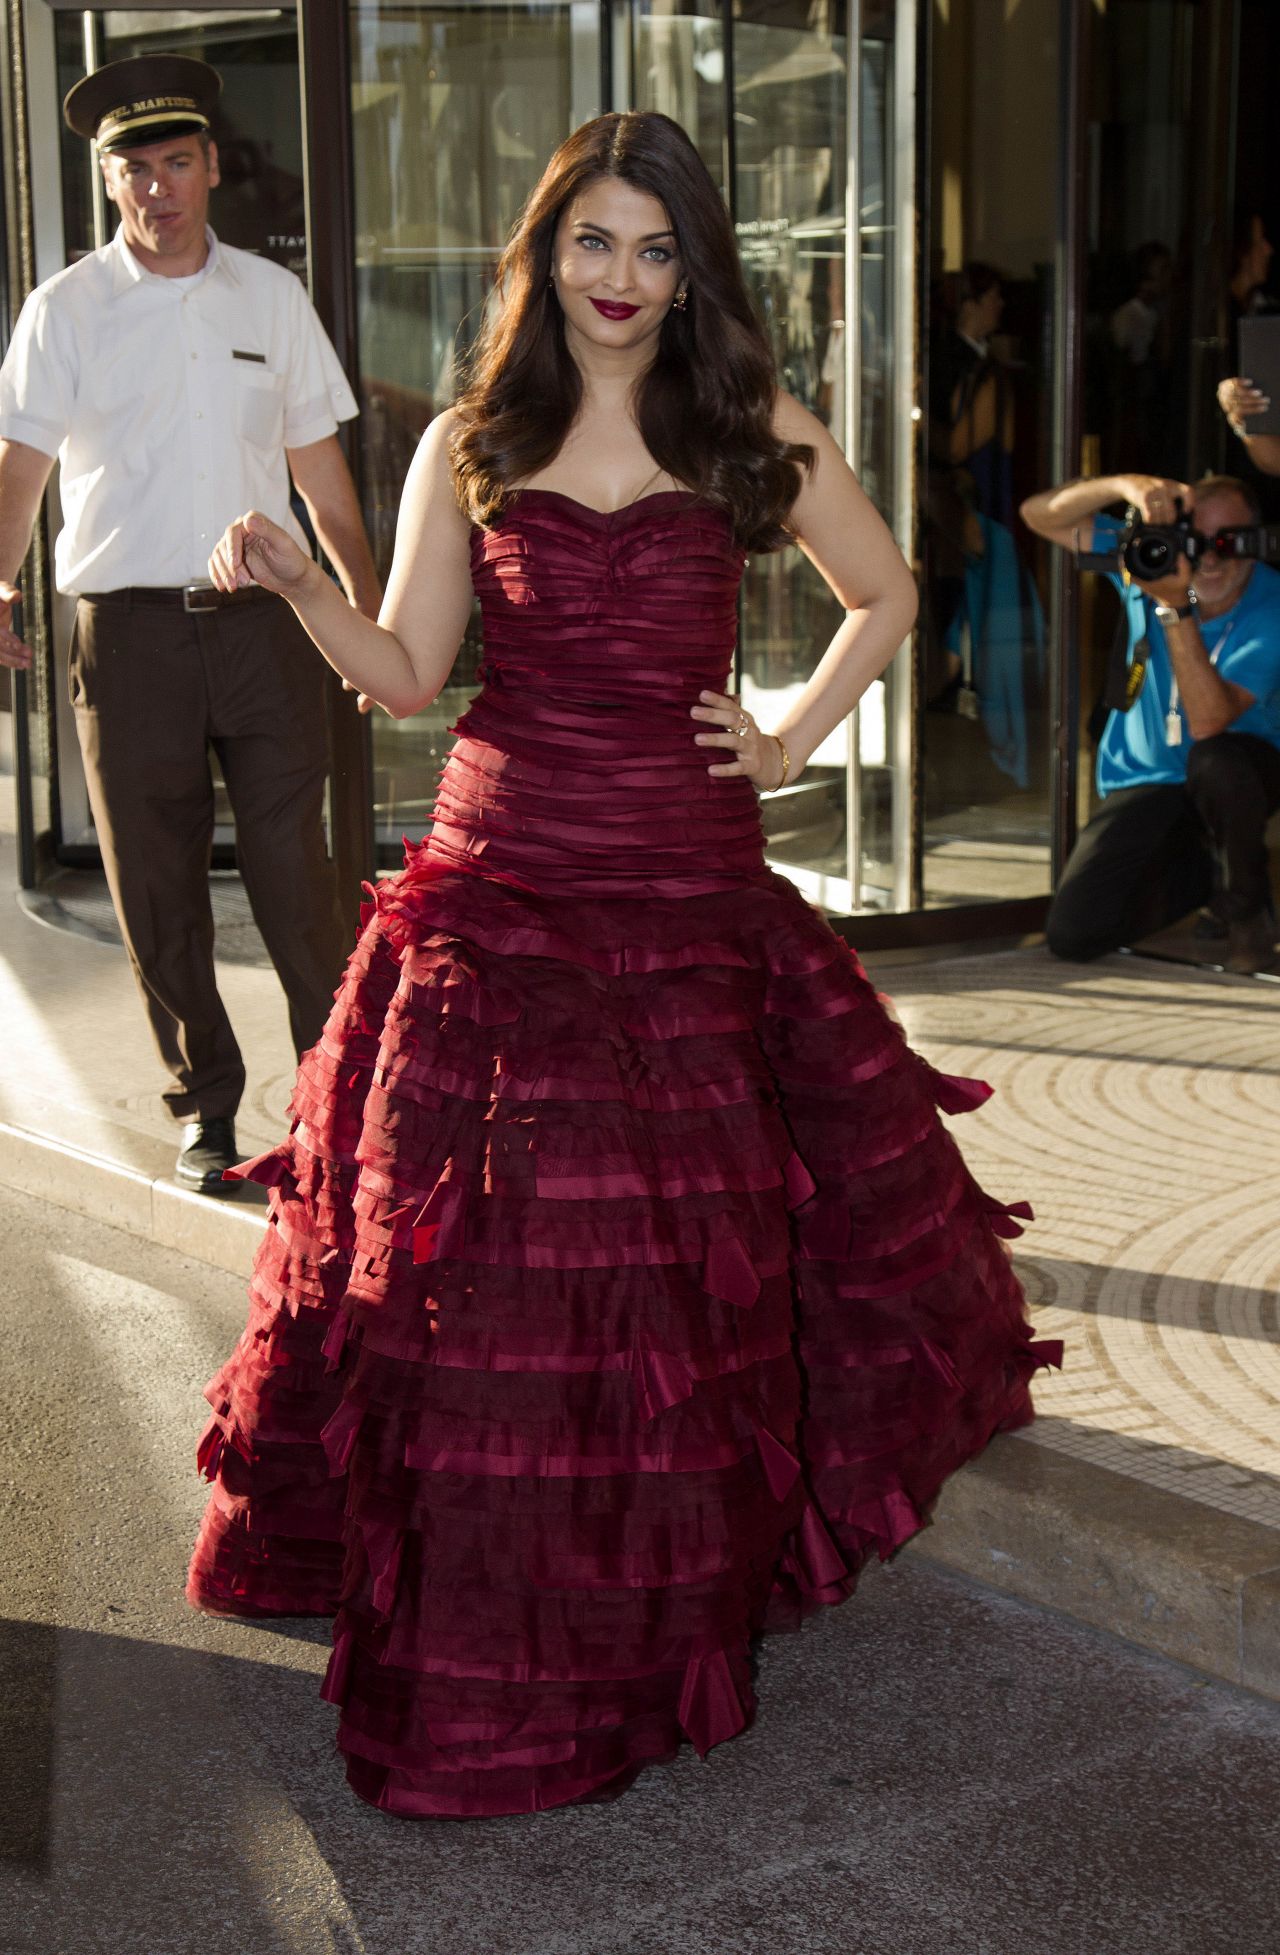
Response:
column 1152, row 556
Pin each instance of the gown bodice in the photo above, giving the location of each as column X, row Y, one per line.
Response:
column 633, row 609
column 576, row 767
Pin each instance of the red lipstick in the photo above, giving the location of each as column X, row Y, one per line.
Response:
column 613, row 310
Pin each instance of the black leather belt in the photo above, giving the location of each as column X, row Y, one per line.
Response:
column 183, row 597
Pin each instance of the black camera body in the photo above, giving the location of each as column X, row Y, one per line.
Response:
column 1151, row 550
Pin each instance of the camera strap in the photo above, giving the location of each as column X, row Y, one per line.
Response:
column 1125, row 676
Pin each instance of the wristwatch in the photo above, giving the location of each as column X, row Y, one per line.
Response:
column 1171, row 614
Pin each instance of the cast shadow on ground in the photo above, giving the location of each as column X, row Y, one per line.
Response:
column 191, row 1801
column 1163, row 1298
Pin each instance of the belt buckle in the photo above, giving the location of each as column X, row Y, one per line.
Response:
column 192, row 593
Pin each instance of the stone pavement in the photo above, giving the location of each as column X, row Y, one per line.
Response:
column 1137, row 1109
column 936, row 1769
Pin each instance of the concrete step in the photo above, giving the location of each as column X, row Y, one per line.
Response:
column 140, row 1197
column 1168, row 1573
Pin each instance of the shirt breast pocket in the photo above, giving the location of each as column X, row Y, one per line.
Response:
column 259, row 404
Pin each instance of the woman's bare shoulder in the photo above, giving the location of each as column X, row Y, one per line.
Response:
column 433, row 459
column 430, row 486
column 439, row 436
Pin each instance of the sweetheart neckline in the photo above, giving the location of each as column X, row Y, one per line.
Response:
column 607, row 515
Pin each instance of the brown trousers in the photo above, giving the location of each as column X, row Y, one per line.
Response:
column 154, row 688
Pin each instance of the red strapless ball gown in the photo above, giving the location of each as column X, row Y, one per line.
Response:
column 622, row 1291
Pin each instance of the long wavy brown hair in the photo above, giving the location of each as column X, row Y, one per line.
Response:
column 704, row 406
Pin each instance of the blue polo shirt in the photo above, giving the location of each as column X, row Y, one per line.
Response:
column 1133, row 751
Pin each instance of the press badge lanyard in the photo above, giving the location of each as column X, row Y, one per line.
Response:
column 1173, row 718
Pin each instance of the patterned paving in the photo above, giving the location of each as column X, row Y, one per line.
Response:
column 1138, row 1109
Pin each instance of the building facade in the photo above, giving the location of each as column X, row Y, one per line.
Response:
column 993, row 245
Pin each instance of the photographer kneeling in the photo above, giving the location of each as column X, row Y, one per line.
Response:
column 1189, row 771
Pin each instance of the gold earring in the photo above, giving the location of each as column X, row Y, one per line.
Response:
column 681, row 298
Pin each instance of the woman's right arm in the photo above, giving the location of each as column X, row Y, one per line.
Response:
column 404, row 659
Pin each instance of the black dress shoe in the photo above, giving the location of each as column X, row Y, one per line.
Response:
column 208, row 1146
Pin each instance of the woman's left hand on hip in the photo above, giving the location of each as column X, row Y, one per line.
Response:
column 750, row 752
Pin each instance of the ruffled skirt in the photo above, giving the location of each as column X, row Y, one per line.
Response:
column 622, row 1292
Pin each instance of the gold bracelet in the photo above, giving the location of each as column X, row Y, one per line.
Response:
column 786, row 763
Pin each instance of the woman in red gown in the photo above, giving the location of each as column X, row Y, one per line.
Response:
column 622, row 1291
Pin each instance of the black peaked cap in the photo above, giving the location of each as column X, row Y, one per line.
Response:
column 147, row 99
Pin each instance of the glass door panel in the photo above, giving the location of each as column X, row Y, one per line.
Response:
column 677, row 62
column 790, row 178
column 984, row 727
column 455, row 109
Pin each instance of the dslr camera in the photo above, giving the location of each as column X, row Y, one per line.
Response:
column 1150, row 550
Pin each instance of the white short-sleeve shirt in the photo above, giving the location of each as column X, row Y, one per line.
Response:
column 169, row 403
